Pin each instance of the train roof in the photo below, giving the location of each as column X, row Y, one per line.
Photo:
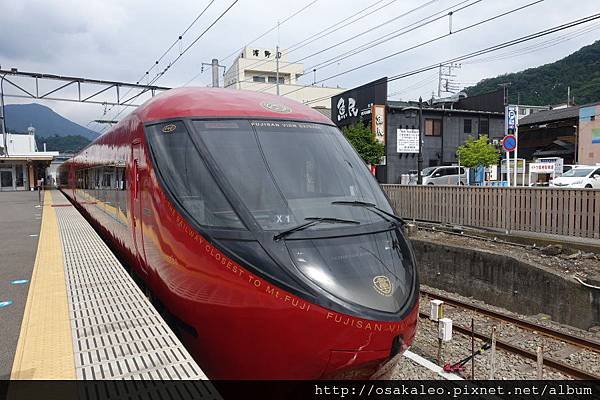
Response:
column 227, row 103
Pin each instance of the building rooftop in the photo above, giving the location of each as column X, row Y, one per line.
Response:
column 550, row 115
column 23, row 147
column 426, row 107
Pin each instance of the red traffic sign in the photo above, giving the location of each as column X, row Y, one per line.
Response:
column 509, row 143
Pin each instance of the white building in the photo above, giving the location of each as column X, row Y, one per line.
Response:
column 255, row 69
column 21, row 164
column 525, row 110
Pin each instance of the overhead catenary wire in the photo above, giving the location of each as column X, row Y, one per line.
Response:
column 392, row 35
column 418, row 24
column 181, row 54
column 159, row 59
column 325, row 32
column 486, row 50
column 271, row 29
column 223, row 59
column 417, row 85
column 378, row 60
column 351, row 38
column 538, row 46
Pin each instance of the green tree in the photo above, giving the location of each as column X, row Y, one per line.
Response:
column 63, row 144
column 363, row 141
column 478, row 152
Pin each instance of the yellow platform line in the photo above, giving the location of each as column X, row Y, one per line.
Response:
column 45, row 347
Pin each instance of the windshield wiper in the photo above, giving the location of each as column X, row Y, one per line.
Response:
column 313, row 221
column 371, row 207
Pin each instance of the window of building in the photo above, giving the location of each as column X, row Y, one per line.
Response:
column 19, row 175
column 258, row 79
column 433, row 127
column 484, row 127
column 273, row 79
column 467, row 125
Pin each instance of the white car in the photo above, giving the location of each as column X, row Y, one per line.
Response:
column 580, row 176
column 445, row 175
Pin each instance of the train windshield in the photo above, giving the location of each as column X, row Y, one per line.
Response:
column 285, row 172
column 374, row 270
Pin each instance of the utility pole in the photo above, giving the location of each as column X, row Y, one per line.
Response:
column 440, row 82
column 505, row 86
column 420, row 156
column 277, row 55
column 214, row 64
column 3, row 116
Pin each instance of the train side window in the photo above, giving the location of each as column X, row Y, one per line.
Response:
column 184, row 173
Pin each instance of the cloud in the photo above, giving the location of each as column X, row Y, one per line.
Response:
column 120, row 40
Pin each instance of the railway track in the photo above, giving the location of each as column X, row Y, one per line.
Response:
column 531, row 326
column 548, row 361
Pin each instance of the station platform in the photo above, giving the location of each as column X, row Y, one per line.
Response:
column 81, row 316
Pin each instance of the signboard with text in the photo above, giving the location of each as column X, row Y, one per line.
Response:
column 557, row 163
column 541, row 168
column 378, row 123
column 348, row 107
column 407, row 140
column 510, row 119
column 520, row 166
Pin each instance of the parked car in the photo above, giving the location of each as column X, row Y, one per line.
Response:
column 581, row 176
column 451, row 175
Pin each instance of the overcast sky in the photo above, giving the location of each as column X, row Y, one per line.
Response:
column 121, row 39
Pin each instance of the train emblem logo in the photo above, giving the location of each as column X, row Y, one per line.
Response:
column 383, row 285
column 168, row 128
column 278, row 108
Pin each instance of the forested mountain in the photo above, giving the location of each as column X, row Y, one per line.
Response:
column 45, row 121
column 63, row 144
column 547, row 84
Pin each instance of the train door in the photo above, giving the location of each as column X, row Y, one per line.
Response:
column 72, row 181
column 137, row 182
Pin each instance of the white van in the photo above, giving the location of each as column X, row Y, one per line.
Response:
column 452, row 175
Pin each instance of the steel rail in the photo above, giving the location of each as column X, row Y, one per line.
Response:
column 548, row 361
column 531, row 326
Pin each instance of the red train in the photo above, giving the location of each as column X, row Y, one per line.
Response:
column 253, row 222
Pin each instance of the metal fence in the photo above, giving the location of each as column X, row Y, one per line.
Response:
column 571, row 212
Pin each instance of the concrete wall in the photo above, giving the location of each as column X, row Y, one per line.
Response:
column 507, row 282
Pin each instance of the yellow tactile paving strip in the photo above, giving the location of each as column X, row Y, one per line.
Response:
column 45, row 347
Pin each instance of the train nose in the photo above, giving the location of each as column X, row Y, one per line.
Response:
column 361, row 364
column 354, row 364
